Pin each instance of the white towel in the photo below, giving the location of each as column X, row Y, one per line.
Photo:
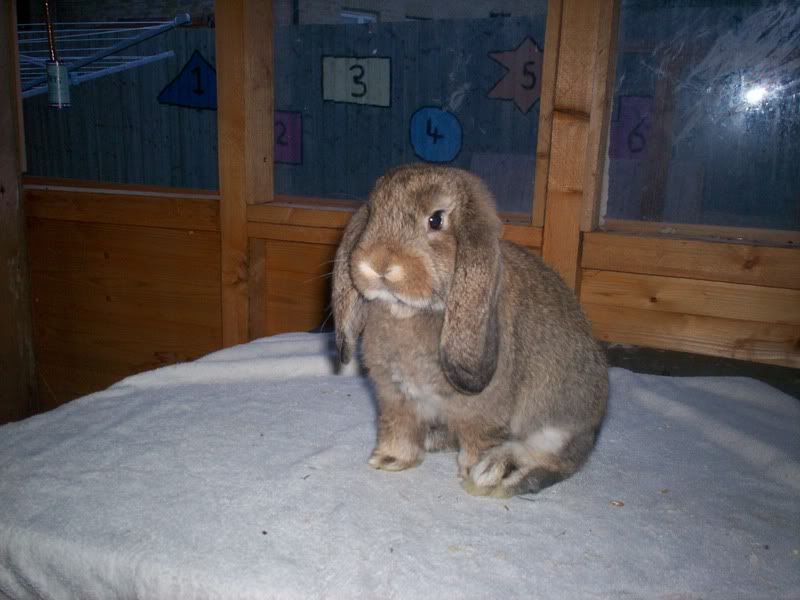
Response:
column 244, row 475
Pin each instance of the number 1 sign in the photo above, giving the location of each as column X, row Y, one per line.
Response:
column 357, row 80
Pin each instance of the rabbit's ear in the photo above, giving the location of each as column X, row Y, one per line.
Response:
column 348, row 306
column 470, row 335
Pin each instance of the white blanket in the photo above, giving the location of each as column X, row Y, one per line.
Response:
column 244, row 475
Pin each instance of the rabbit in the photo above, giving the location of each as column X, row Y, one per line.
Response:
column 471, row 343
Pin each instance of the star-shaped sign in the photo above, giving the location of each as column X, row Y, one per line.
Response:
column 522, row 82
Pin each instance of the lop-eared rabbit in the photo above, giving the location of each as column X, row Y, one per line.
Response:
column 472, row 343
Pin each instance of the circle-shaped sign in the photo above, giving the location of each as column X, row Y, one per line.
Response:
column 435, row 134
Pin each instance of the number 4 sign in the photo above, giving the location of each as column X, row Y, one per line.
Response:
column 357, row 80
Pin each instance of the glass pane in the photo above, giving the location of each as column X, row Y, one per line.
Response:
column 145, row 114
column 360, row 90
column 706, row 114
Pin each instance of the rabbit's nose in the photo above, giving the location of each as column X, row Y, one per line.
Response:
column 381, row 269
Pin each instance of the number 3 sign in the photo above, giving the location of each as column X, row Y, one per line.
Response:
column 357, row 80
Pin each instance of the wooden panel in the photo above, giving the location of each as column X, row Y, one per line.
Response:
column 716, row 233
column 291, row 233
column 744, row 340
column 17, row 380
column 319, row 224
column 112, row 300
column 257, row 289
column 298, row 286
column 257, row 94
column 580, row 27
column 89, row 206
column 578, row 112
column 604, row 69
column 561, row 240
column 531, row 237
column 325, row 214
column 713, row 261
column 691, row 296
column 546, row 99
column 244, row 87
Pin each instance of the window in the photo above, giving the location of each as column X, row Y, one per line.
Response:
column 451, row 87
column 706, row 114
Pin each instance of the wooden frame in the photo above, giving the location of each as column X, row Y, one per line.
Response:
column 583, row 79
column 245, row 129
column 17, row 364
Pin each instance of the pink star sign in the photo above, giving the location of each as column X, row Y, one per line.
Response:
column 522, row 82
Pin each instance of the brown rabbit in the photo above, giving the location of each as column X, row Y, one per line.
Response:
column 471, row 342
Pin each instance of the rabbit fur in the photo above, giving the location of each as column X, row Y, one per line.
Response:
column 472, row 343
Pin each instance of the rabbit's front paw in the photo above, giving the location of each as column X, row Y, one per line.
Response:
column 392, row 462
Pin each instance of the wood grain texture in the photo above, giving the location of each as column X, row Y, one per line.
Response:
column 257, row 288
column 561, row 239
column 605, row 57
column 295, row 233
column 693, row 259
column 298, row 286
column 91, row 206
column 691, row 297
column 17, row 367
column 580, row 28
column 546, row 100
column 715, row 233
column 244, row 89
column 578, row 112
column 773, row 343
column 113, row 300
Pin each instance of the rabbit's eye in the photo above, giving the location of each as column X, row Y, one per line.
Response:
column 436, row 220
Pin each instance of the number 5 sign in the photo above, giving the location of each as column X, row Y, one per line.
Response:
column 522, row 81
column 357, row 80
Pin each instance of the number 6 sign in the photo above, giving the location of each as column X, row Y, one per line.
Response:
column 357, row 80
column 631, row 129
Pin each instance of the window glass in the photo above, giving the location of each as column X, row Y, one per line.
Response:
column 706, row 114
column 451, row 83
column 143, row 114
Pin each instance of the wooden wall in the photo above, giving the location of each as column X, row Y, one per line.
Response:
column 724, row 299
column 121, row 281
column 16, row 349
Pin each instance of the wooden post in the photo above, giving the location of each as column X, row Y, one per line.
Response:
column 579, row 110
column 244, row 44
column 17, row 367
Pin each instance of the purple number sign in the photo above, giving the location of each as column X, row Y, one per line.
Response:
column 629, row 133
column 288, row 137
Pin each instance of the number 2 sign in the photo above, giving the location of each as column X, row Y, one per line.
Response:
column 357, row 80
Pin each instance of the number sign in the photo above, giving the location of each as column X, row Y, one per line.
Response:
column 194, row 87
column 522, row 81
column 288, row 137
column 435, row 134
column 357, row 80
column 631, row 129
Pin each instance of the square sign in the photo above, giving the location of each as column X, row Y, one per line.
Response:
column 357, row 80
